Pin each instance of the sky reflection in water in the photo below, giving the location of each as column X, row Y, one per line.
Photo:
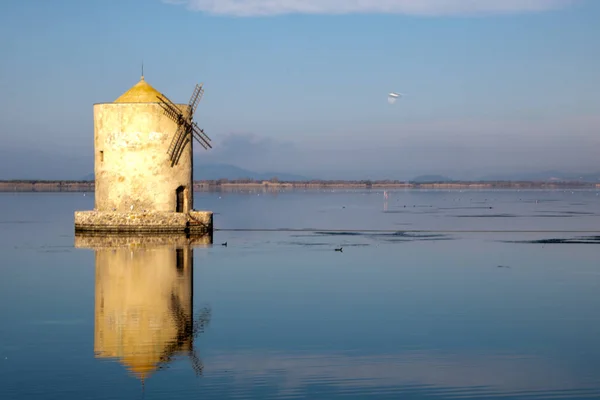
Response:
column 282, row 315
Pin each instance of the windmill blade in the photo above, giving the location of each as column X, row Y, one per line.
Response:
column 197, row 364
column 177, row 137
column 167, row 101
column 170, row 108
column 201, row 137
column 186, row 130
column 185, row 326
column 202, row 320
column 170, row 112
column 175, row 142
column 200, row 323
column 179, row 151
column 197, row 131
column 203, row 143
column 195, row 99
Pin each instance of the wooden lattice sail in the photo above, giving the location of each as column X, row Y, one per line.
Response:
column 187, row 129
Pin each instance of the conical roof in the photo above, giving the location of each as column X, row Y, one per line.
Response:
column 141, row 92
column 141, row 368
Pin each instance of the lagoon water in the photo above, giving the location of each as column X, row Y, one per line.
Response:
column 436, row 295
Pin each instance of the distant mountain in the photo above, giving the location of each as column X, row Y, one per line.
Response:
column 228, row 171
column 431, row 178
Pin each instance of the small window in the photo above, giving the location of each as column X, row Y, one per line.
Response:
column 101, row 155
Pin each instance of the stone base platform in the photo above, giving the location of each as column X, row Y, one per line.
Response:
column 152, row 222
column 99, row 241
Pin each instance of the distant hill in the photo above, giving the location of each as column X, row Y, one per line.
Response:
column 228, row 171
column 213, row 172
column 431, row 179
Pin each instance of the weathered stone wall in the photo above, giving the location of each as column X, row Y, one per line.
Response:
column 144, row 222
column 132, row 167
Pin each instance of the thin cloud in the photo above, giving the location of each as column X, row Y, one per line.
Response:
column 253, row 8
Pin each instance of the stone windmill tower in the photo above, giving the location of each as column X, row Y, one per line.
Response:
column 143, row 165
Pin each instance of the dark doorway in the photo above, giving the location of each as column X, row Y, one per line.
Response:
column 179, row 261
column 179, row 192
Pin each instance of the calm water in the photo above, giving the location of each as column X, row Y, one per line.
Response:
column 438, row 305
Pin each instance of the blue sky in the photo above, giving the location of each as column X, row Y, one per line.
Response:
column 301, row 86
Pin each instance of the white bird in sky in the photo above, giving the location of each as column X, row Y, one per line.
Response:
column 393, row 96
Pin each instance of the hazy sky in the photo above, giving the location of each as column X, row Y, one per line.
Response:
column 301, row 85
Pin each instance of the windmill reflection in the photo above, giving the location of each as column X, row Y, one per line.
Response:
column 143, row 306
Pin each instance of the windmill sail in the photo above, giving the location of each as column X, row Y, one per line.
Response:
column 187, row 130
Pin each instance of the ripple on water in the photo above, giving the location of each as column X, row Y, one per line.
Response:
column 416, row 375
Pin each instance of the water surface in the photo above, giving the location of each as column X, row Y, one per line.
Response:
column 448, row 294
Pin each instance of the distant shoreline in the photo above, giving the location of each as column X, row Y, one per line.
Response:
column 225, row 185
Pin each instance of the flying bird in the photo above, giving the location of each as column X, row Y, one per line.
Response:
column 393, row 96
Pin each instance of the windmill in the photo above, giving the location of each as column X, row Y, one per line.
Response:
column 186, row 128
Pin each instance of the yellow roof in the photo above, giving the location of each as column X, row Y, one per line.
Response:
column 141, row 365
column 141, row 92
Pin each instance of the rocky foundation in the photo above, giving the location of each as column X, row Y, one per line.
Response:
column 151, row 222
column 99, row 241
